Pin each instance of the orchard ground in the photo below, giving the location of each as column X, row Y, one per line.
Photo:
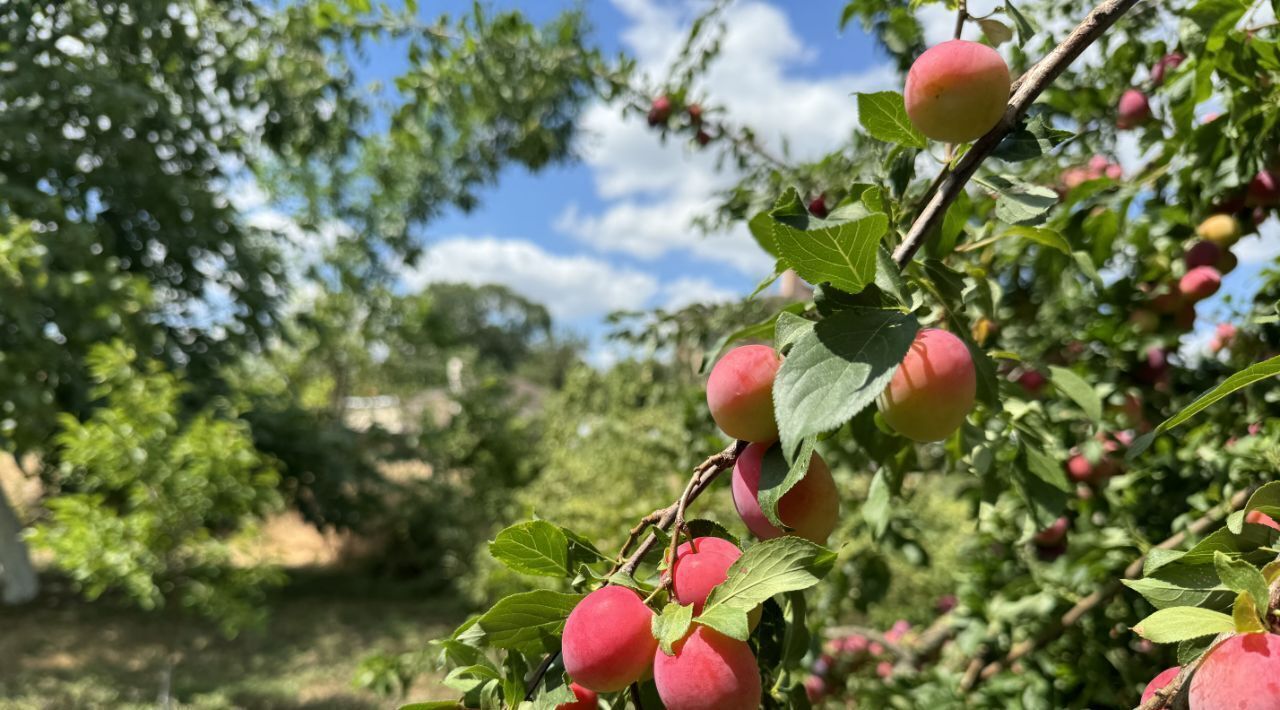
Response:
column 75, row 654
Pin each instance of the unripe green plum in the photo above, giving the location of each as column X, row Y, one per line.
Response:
column 1221, row 229
column 740, row 393
column 957, row 91
column 1165, row 677
column 1241, row 673
column 709, row 671
column 607, row 642
column 1133, row 111
column 586, row 699
column 1200, row 283
column 811, row 508
column 933, row 389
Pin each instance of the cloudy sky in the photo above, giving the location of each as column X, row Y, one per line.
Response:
column 613, row 231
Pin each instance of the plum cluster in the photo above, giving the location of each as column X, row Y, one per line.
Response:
column 663, row 109
column 853, row 654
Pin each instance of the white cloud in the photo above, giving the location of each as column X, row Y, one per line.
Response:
column 655, row 190
column 1264, row 247
column 685, row 291
column 569, row 286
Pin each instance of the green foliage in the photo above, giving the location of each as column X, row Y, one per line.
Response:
column 161, row 492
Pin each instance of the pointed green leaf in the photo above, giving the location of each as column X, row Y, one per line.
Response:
column 783, row 564
column 536, row 547
column 1181, row 623
column 1240, row 576
column 777, row 477
column 529, row 622
column 883, row 116
column 1074, row 386
column 1245, row 615
column 671, row 625
column 841, row 254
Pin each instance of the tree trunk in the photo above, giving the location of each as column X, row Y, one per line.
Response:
column 17, row 576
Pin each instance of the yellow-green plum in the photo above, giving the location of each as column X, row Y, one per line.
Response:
column 586, row 699
column 1241, row 673
column 740, row 393
column 1200, row 283
column 957, row 91
column 709, row 671
column 607, row 642
column 1221, row 229
column 811, row 508
column 1165, row 677
column 933, row 389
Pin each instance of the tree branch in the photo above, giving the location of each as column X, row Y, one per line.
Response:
column 1089, row 603
column 1025, row 91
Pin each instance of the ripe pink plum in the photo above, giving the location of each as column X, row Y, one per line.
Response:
column 740, row 393
column 700, row 565
column 811, row 508
column 1241, row 673
column 586, row 699
column 1200, row 283
column 818, row 207
column 1202, row 253
column 1031, row 381
column 709, row 671
column 1053, row 535
column 1164, row 65
column 957, row 91
column 933, row 389
column 1264, row 190
column 1081, row 471
column 1133, row 111
column 660, row 111
column 815, row 688
column 1165, row 677
column 1257, row 517
column 607, row 643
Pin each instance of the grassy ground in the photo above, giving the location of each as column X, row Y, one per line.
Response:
column 64, row 653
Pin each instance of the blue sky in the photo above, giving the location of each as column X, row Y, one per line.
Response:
column 612, row 231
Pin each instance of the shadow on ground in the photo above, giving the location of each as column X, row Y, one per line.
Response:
column 61, row 652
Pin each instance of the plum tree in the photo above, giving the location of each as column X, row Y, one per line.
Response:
column 1133, row 110
column 957, row 91
column 811, row 508
column 700, row 565
column 933, row 389
column 708, row 671
column 586, row 699
column 1164, row 678
column 740, row 393
column 1241, row 672
column 1200, row 283
column 1221, row 229
column 607, row 643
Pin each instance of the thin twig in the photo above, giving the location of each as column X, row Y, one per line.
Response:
column 1025, row 91
column 961, row 14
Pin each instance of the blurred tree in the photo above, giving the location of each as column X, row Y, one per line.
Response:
column 130, row 131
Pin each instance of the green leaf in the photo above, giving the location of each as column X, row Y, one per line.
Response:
column 875, row 509
column 536, row 548
column 1043, row 236
column 552, row 692
column 671, row 625
column 1018, row 202
column 1190, row 650
column 1031, row 140
column 783, row 564
column 777, row 477
column 1192, row 585
column 889, row 278
column 796, row 642
column 883, row 116
column 788, row 328
column 838, row 368
column 1267, row 496
column 1045, row 468
column 1025, row 30
column 1240, row 576
column 1240, row 380
column 996, row 31
column 1074, row 386
column 1085, row 262
column 1245, row 615
column 529, row 622
column 842, row 254
column 1181, row 623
